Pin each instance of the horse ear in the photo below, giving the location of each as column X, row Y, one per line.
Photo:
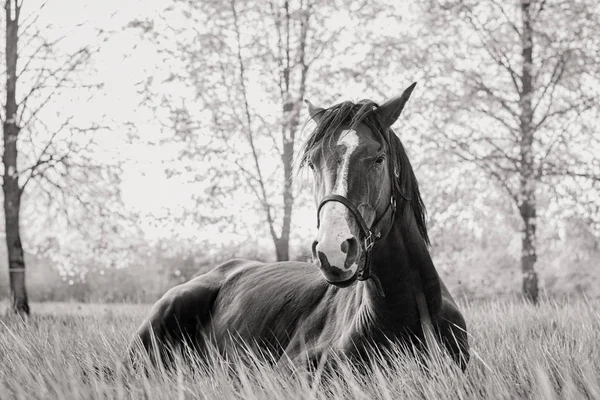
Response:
column 314, row 111
column 390, row 111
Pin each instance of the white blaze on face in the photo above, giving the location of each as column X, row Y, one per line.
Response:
column 348, row 139
column 334, row 229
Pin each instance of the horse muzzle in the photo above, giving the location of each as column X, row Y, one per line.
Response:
column 337, row 259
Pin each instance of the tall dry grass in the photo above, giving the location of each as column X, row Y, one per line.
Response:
column 518, row 351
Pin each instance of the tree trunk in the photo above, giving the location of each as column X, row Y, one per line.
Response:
column 291, row 121
column 282, row 249
column 10, row 183
column 282, row 244
column 527, row 198
column 528, row 253
column 16, row 261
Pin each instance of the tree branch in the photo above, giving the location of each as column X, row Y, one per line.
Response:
column 487, row 90
column 484, row 162
column 555, row 77
column 80, row 57
column 499, row 57
column 250, row 137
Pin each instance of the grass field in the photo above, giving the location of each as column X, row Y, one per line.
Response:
column 518, row 351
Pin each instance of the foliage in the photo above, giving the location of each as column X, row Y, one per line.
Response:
column 473, row 263
column 244, row 69
column 198, row 134
column 505, row 90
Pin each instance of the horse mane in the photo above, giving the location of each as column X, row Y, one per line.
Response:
column 363, row 112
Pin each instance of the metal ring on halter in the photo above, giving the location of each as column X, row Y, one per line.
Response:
column 369, row 241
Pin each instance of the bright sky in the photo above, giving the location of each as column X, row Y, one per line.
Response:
column 123, row 62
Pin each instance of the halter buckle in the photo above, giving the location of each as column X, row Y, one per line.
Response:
column 369, row 241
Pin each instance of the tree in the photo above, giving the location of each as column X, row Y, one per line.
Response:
column 248, row 64
column 10, row 183
column 518, row 86
column 56, row 150
column 292, row 66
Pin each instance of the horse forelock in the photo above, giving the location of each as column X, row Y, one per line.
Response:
column 363, row 112
column 332, row 119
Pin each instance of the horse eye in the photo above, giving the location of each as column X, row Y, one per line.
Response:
column 380, row 160
column 311, row 165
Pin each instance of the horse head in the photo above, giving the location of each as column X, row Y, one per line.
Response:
column 360, row 171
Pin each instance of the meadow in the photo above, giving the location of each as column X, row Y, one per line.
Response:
column 518, row 351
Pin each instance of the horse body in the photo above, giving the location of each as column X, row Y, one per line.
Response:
column 306, row 317
column 372, row 252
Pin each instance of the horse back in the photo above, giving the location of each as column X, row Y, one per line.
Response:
column 264, row 303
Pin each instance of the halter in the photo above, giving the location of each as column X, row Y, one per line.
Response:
column 369, row 235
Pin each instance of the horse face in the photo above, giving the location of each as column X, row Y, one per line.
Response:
column 355, row 167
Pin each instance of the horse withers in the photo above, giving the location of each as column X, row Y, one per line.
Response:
column 371, row 283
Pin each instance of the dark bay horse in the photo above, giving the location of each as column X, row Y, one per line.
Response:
column 372, row 281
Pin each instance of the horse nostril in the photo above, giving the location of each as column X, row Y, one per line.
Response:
column 324, row 263
column 345, row 246
column 350, row 248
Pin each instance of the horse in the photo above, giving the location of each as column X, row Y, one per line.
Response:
column 371, row 282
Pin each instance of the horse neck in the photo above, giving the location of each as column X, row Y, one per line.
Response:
column 395, row 257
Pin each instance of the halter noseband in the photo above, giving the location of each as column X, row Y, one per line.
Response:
column 368, row 236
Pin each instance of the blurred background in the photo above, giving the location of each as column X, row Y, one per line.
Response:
column 147, row 141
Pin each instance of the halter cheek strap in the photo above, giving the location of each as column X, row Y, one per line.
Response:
column 369, row 235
